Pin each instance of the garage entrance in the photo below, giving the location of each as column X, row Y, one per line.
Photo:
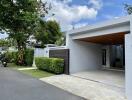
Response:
column 108, row 77
column 113, row 50
column 112, row 70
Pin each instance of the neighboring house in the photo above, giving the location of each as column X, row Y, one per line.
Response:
column 103, row 45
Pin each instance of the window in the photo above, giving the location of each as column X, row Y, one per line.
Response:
column 104, row 57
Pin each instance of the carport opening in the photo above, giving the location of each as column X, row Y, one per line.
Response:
column 113, row 60
column 113, row 49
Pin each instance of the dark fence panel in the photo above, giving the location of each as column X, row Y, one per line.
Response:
column 64, row 54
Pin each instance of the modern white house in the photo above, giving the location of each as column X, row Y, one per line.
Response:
column 92, row 47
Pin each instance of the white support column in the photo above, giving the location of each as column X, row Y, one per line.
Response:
column 128, row 65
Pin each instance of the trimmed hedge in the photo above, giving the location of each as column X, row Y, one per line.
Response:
column 28, row 57
column 54, row 65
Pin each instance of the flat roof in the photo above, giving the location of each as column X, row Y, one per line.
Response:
column 104, row 24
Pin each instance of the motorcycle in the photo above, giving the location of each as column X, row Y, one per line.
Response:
column 3, row 60
column 4, row 63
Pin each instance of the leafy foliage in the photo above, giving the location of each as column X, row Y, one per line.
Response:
column 22, row 18
column 4, row 43
column 11, row 57
column 128, row 8
column 61, row 41
column 55, row 65
column 28, row 57
column 48, row 32
column 19, row 19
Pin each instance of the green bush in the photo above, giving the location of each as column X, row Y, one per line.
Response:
column 11, row 57
column 55, row 65
column 42, row 63
column 28, row 57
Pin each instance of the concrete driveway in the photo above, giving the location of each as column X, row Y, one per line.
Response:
column 17, row 86
column 88, row 89
column 109, row 77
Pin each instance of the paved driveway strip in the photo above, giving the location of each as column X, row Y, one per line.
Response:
column 17, row 86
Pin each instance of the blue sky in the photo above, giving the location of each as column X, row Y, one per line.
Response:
column 79, row 13
column 110, row 9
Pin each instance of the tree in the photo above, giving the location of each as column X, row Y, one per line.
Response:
column 48, row 32
column 4, row 43
column 128, row 8
column 19, row 19
column 54, row 32
column 61, row 41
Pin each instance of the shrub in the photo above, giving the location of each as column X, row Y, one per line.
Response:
column 11, row 57
column 55, row 65
column 42, row 63
column 28, row 57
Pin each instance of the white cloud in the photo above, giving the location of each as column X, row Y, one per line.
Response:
column 96, row 3
column 108, row 17
column 67, row 14
column 65, row 1
column 80, row 25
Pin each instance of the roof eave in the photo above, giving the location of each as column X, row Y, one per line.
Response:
column 113, row 22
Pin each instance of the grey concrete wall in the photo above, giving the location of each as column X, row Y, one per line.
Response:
column 84, row 56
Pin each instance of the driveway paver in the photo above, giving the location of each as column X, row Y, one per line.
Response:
column 85, row 88
column 17, row 86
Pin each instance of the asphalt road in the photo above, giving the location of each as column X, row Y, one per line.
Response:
column 17, row 86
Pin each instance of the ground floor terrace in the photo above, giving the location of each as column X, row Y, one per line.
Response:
column 106, row 45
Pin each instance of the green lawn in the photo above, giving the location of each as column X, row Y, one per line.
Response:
column 14, row 66
column 32, row 72
column 37, row 73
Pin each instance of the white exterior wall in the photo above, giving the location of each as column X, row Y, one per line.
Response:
column 84, row 56
column 39, row 52
column 128, row 65
column 46, row 52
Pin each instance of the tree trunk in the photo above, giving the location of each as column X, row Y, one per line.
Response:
column 21, row 52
